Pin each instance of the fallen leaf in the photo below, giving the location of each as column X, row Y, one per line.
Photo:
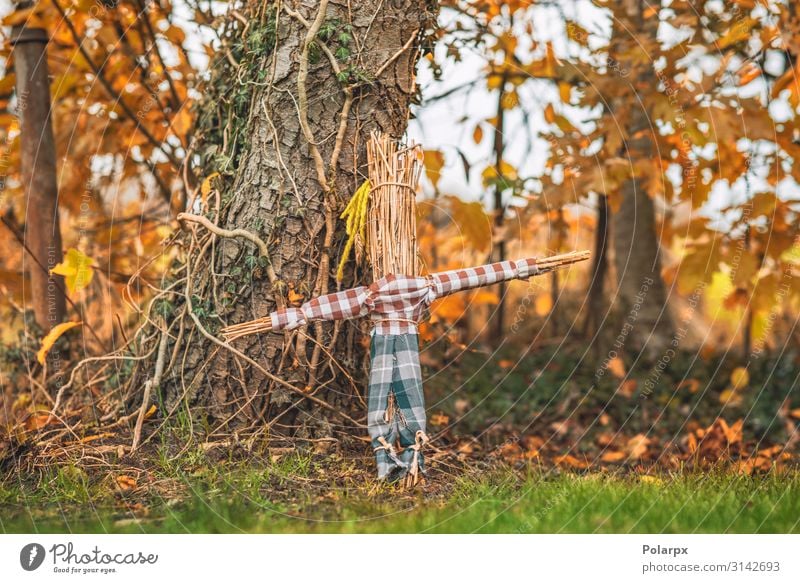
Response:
column 617, row 367
column 571, row 461
column 439, row 419
column 637, row 446
column 628, row 387
column 651, row 480
column 613, row 456
column 693, row 385
column 739, row 378
column 126, row 482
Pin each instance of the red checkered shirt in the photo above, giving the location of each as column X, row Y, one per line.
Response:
column 396, row 303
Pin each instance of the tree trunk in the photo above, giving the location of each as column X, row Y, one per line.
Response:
column 38, row 166
column 641, row 295
column 314, row 81
column 496, row 327
column 595, row 302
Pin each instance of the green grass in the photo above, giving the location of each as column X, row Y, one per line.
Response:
column 496, row 502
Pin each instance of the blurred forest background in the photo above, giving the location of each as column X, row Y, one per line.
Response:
column 661, row 136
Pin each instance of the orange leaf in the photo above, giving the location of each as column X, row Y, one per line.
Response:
column 628, row 387
column 126, row 482
column 543, row 305
column 613, row 456
column 571, row 461
column 477, row 134
column 617, row 367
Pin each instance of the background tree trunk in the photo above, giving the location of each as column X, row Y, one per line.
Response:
column 38, row 166
column 288, row 183
column 595, row 302
column 641, row 295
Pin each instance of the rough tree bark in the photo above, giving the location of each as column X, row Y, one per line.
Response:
column 38, row 168
column 315, row 79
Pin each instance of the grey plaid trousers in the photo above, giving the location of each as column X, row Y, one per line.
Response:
column 396, row 403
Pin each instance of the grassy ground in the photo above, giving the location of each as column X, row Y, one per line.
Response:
column 292, row 496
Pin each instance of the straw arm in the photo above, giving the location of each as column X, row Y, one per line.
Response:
column 448, row 282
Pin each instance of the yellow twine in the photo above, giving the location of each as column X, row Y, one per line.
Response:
column 355, row 215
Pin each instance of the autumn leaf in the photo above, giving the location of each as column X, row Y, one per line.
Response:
column 434, row 162
column 549, row 113
column 51, row 338
column 613, row 456
column 126, row 482
column 617, row 367
column 571, row 461
column 507, row 174
column 628, row 387
column 296, row 299
column 439, row 419
column 205, row 188
column 637, row 446
column 645, row 479
column 739, row 378
column 543, row 304
column 477, row 134
column 76, row 269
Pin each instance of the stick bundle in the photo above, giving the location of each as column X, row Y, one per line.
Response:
column 392, row 220
column 547, row 264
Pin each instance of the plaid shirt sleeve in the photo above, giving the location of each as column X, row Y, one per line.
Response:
column 350, row 303
column 448, row 282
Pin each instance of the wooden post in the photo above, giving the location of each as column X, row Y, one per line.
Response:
column 38, row 165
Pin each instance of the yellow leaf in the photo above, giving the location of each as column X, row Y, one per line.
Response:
column 651, row 480
column 730, row 397
column 510, row 100
column 76, row 269
column 508, row 172
column 434, row 162
column 739, row 378
column 739, row 31
column 52, row 336
column 182, row 122
column 205, row 188
column 564, row 91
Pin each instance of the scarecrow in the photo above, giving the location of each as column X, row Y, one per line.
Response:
column 382, row 212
